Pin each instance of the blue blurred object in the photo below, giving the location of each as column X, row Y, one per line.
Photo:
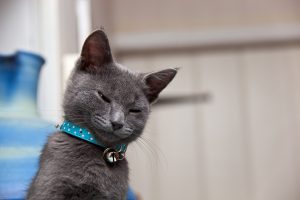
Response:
column 22, row 132
column 130, row 195
column 19, row 74
column 20, row 145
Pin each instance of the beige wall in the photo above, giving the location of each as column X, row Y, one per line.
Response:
column 176, row 15
column 243, row 144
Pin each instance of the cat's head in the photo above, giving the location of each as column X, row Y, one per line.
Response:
column 108, row 99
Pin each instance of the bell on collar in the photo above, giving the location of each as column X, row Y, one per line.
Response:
column 112, row 156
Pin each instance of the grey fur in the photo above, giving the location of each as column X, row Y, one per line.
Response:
column 112, row 103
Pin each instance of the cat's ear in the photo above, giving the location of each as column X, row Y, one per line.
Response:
column 156, row 82
column 95, row 52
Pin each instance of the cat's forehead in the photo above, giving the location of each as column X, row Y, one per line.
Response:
column 119, row 82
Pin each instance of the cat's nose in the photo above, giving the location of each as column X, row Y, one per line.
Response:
column 116, row 125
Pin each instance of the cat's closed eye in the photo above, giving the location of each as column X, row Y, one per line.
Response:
column 103, row 97
column 135, row 110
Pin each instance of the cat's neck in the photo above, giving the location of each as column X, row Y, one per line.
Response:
column 110, row 154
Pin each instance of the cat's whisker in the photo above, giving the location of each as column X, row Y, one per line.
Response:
column 149, row 152
column 158, row 153
column 145, row 151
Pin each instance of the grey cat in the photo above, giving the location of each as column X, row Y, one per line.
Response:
column 111, row 102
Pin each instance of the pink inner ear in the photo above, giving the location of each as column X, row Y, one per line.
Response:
column 96, row 51
column 156, row 82
column 94, row 54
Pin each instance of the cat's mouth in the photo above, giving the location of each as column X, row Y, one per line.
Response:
column 105, row 130
column 123, row 133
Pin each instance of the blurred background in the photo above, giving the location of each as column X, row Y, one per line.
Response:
column 227, row 128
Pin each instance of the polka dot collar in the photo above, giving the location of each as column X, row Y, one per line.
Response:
column 84, row 134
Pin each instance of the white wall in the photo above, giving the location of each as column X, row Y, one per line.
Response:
column 243, row 144
column 48, row 28
column 19, row 26
column 58, row 33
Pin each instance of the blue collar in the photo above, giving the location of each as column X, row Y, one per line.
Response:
column 111, row 155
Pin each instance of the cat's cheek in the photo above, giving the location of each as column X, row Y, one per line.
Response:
column 100, row 123
column 140, row 121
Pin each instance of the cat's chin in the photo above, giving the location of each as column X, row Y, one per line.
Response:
column 121, row 134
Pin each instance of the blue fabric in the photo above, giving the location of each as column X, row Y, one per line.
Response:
column 22, row 132
column 20, row 144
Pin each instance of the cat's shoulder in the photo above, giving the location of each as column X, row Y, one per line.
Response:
column 59, row 142
column 60, row 138
column 57, row 136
